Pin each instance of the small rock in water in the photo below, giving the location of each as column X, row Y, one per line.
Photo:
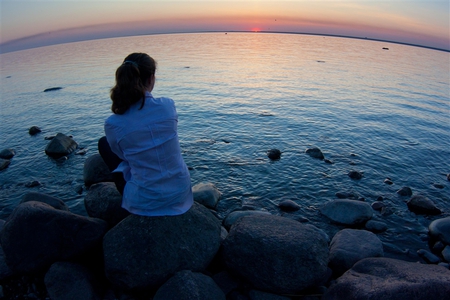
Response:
column 288, row 205
column 7, row 153
column 428, row 256
column 346, row 195
column 377, row 205
column 329, row 161
column 82, row 151
column 422, row 205
column 48, row 138
column 438, row 186
column 448, row 176
column 4, row 163
column 405, row 191
column 34, row 130
column 53, row 89
column 380, row 198
column 388, row 181
column 376, row 226
column 274, row 154
column 33, row 183
column 355, row 175
column 315, row 153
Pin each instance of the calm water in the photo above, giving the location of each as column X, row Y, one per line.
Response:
column 383, row 112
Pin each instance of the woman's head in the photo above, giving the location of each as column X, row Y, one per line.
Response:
column 135, row 76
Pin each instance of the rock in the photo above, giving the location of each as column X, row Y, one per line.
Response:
column 95, row 170
column 446, row 253
column 438, row 185
column 422, row 205
column 44, row 198
column 234, row 216
column 7, row 153
column 60, row 146
column 143, row 252
column 53, row 89
column 349, row 212
column 104, row 201
column 34, row 130
column 376, row 226
column 315, row 153
column 37, row 235
column 440, row 229
column 377, row 205
column 276, row 254
column 259, row 295
column 274, row 154
column 68, row 280
column 347, row 195
column 225, row 281
column 448, row 176
column 388, row 181
column 405, row 191
column 5, row 271
column 33, row 183
column 391, row 279
column 355, row 175
column 4, row 163
column 349, row 246
column 206, row 194
column 429, row 257
column 288, row 205
column 187, row 285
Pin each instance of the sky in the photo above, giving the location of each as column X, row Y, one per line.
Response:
column 33, row 23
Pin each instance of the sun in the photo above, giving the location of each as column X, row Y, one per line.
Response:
column 256, row 29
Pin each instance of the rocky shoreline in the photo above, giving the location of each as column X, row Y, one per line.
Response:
column 48, row 252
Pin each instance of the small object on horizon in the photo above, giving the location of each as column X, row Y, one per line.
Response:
column 384, row 48
column 53, row 89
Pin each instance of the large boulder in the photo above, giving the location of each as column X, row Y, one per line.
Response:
column 54, row 202
column 391, row 279
column 440, row 229
column 95, row 170
column 60, row 145
column 348, row 212
column 104, row 201
column 420, row 204
column 141, row 253
column 349, row 246
column 187, row 285
column 276, row 254
column 206, row 194
column 37, row 235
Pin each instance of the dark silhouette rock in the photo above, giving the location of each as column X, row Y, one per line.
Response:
column 276, row 254
column 288, row 205
column 187, row 285
column 52, row 89
column 422, row 205
column 104, row 201
column 274, row 154
column 4, row 163
column 315, row 153
column 141, row 253
column 60, row 146
column 440, row 229
column 44, row 198
column 7, row 153
column 5, row 271
column 376, row 226
column 234, row 216
column 405, row 191
column 34, row 130
column 355, row 175
column 206, row 194
column 95, row 170
column 391, row 279
column 37, row 235
column 349, row 212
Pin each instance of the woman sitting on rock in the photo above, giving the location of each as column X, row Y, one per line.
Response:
column 141, row 146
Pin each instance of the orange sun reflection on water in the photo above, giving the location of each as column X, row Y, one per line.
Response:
column 256, row 29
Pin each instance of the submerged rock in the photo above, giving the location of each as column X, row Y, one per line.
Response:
column 206, row 194
column 288, row 205
column 422, row 205
column 349, row 212
column 7, row 153
column 274, row 154
column 315, row 153
column 405, row 191
column 34, row 130
column 60, row 146
column 355, row 175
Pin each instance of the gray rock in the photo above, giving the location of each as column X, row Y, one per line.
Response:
column 68, row 280
column 315, row 153
column 355, row 175
column 4, row 163
column 376, row 226
column 7, row 153
column 428, row 256
column 288, row 205
column 422, row 205
column 187, row 285
column 234, row 216
column 349, row 246
column 95, row 170
column 206, row 194
column 440, row 229
column 276, row 254
column 348, row 212
column 44, row 198
column 60, row 146
column 274, row 154
column 37, row 235
column 391, row 279
column 104, row 201
column 143, row 252
column 446, row 253
column 34, row 130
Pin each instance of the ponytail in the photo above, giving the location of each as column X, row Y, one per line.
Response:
column 131, row 79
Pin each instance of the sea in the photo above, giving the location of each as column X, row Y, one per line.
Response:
column 379, row 108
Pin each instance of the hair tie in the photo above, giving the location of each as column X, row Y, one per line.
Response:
column 131, row 62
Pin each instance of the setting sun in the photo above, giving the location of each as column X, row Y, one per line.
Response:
column 256, row 29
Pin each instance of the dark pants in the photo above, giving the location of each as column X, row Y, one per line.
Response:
column 112, row 161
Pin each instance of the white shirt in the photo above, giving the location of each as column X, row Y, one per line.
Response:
column 158, row 180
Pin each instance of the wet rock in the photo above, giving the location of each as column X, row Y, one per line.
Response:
column 44, row 198
column 438, row 186
column 376, row 226
column 377, row 205
column 288, row 205
column 47, row 235
column 7, row 153
column 186, row 285
column 328, row 161
column 355, row 175
column 349, row 246
column 347, row 195
column 143, row 252
column 234, row 216
column 68, row 280
column 276, row 254
column 34, row 130
column 206, row 194
column 33, row 183
column 391, row 279
column 53, row 89
column 446, row 253
column 349, row 212
column 388, row 181
column 60, row 146
column 274, row 154
column 440, row 229
column 428, row 256
column 405, row 191
column 315, row 153
column 422, row 205
column 4, row 163
column 104, row 201
column 95, row 170
column 260, row 295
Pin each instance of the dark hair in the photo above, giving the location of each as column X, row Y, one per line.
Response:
column 131, row 80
